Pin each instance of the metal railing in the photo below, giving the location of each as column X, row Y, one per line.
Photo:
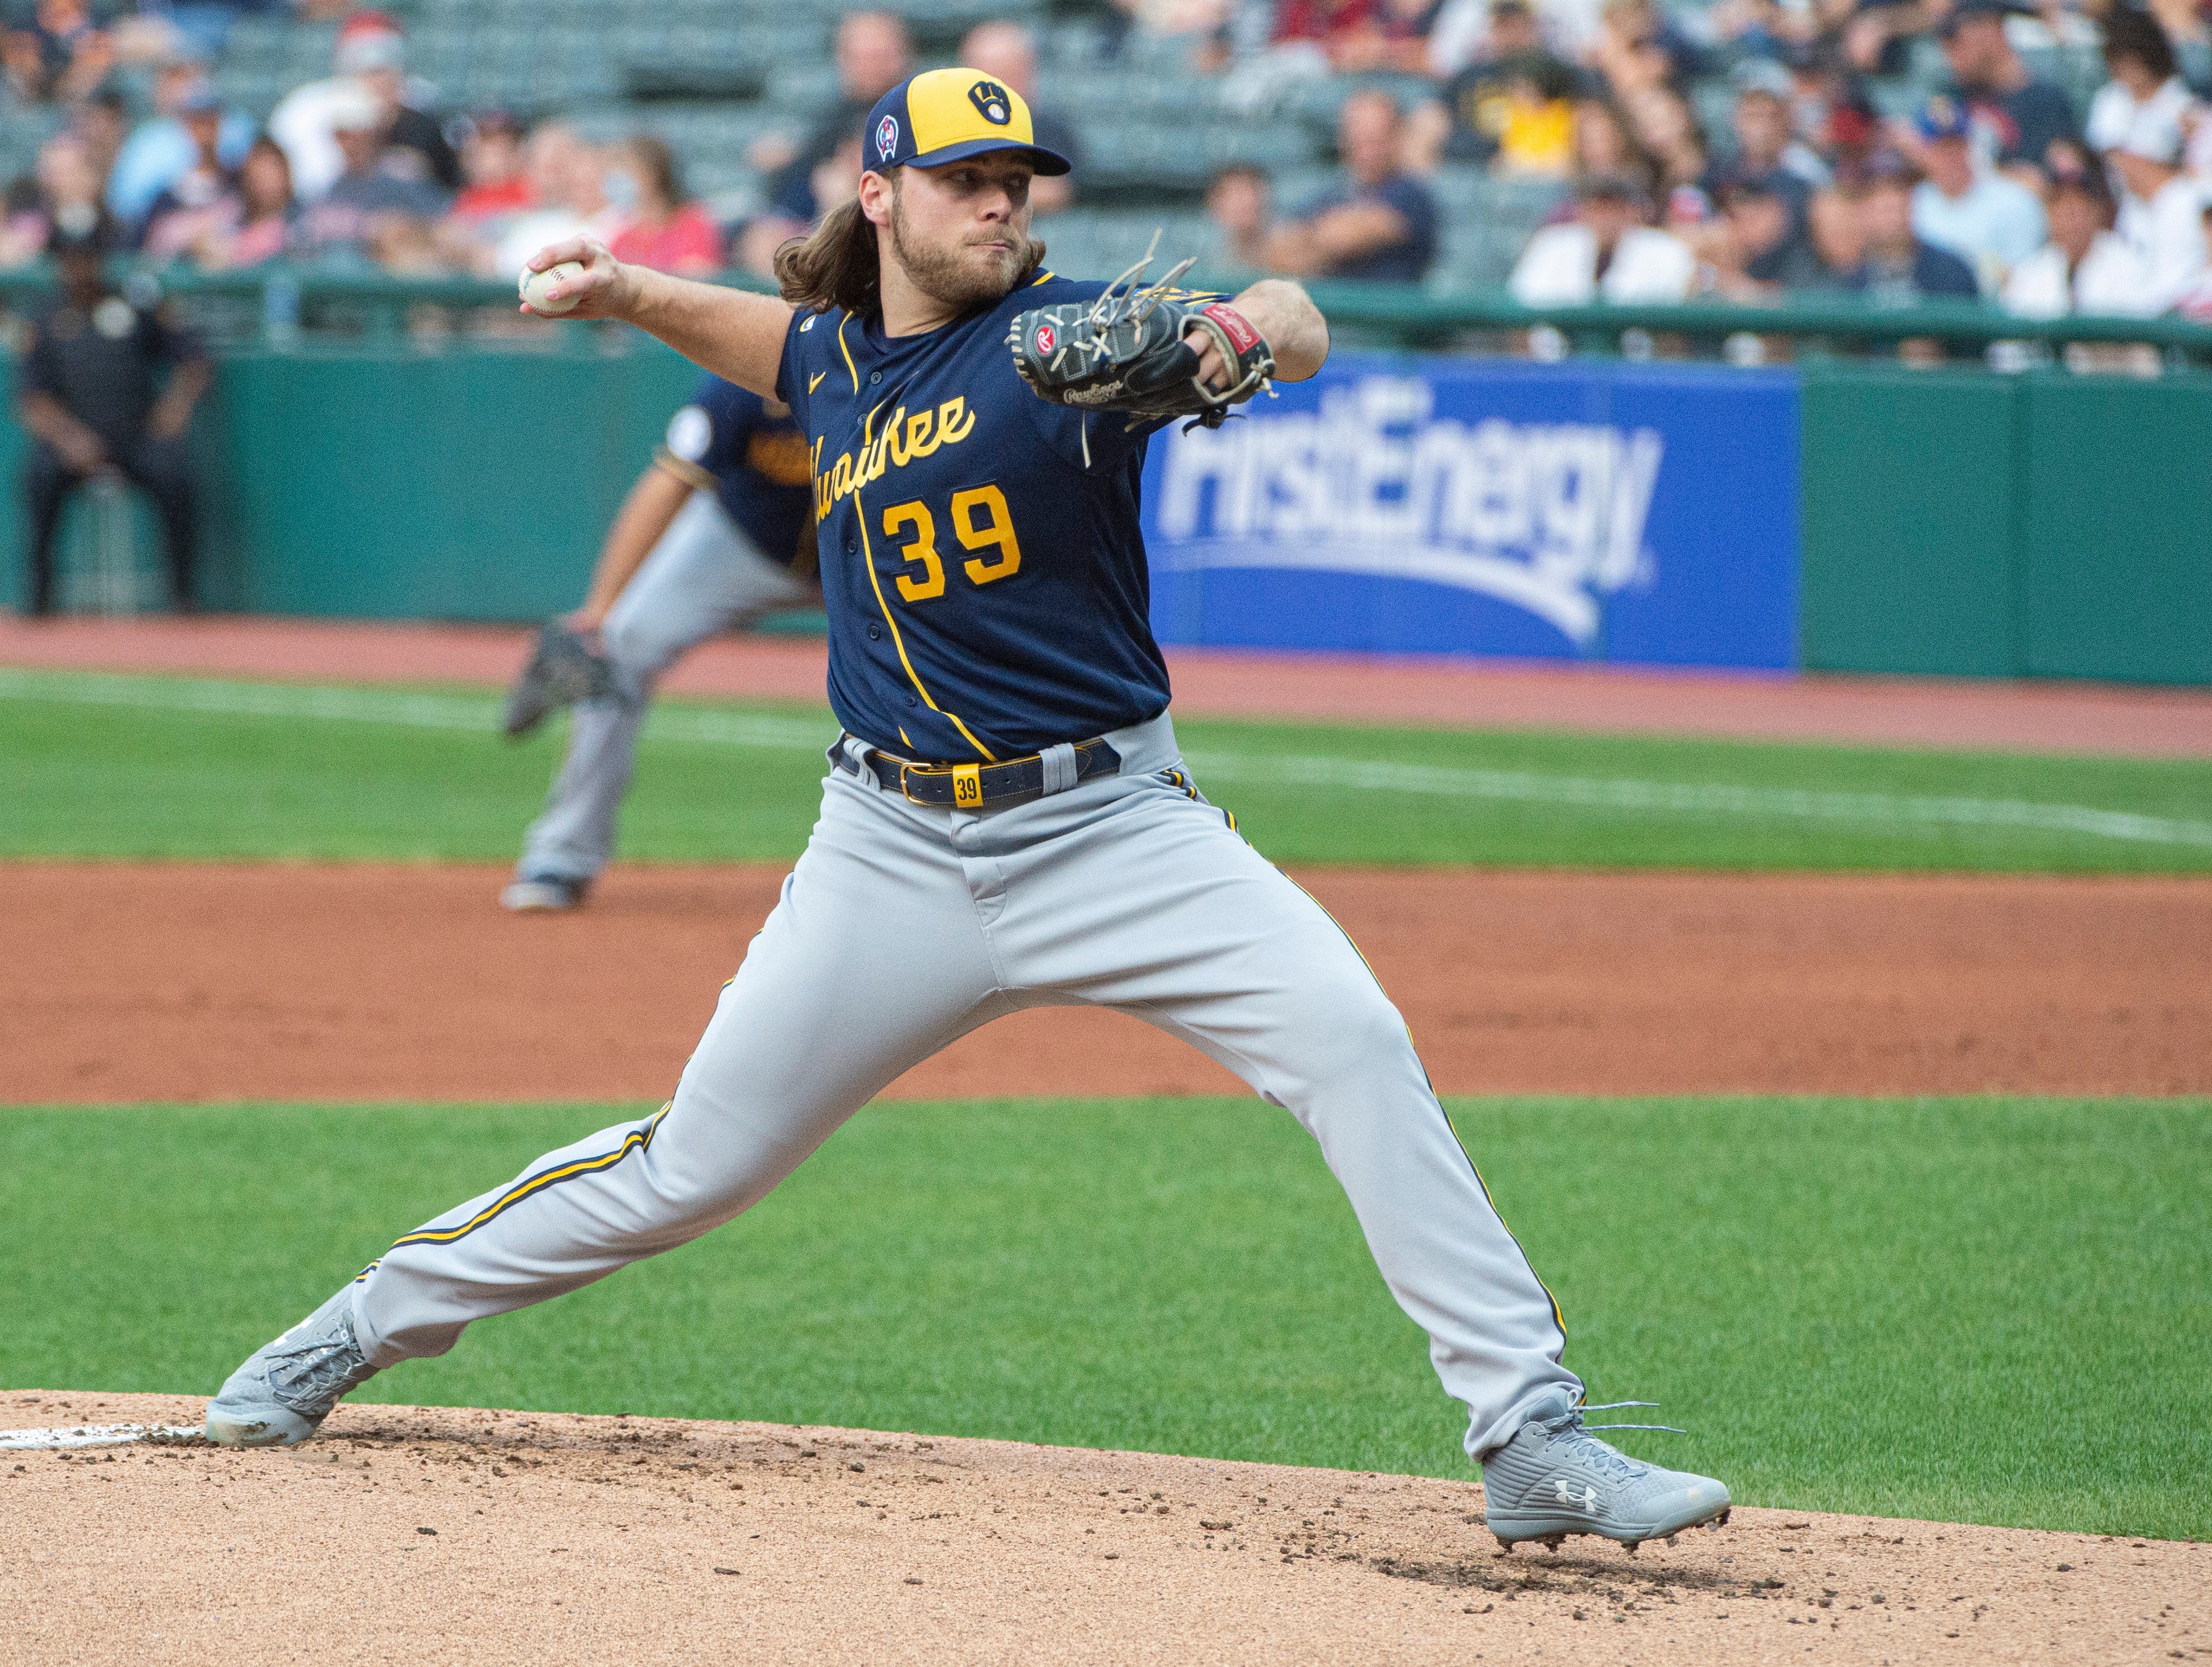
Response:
column 282, row 308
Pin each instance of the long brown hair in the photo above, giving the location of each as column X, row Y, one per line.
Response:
column 837, row 263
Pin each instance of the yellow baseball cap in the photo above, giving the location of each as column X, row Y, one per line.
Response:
column 943, row 116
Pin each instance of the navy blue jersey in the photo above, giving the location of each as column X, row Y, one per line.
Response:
column 726, row 442
column 987, row 593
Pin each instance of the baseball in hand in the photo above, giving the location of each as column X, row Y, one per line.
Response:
column 534, row 285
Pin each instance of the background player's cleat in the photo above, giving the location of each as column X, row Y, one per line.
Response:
column 287, row 1388
column 543, row 891
column 1555, row 1478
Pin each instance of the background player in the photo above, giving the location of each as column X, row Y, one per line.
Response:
column 1008, row 823
column 716, row 534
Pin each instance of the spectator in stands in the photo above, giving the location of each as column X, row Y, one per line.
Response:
column 496, row 182
column 2016, row 117
column 60, row 199
column 873, row 54
column 570, row 187
column 1664, row 126
column 269, row 213
column 2086, row 267
column 159, row 149
column 1392, row 38
column 372, row 208
column 1005, row 52
column 1605, row 143
column 91, row 397
column 1835, row 225
column 415, row 139
column 2161, row 210
column 59, row 56
column 1899, row 267
column 1766, row 139
column 201, row 207
column 1760, row 250
column 1989, row 220
column 2146, row 82
column 2194, row 302
column 367, row 58
column 1606, row 253
column 1509, row 106
column 659, row 228
column 1829, row 109
column 1637, row 49
column 1462, row 30
column 1239, row 205
column 1304, row 42
column 1380, row 226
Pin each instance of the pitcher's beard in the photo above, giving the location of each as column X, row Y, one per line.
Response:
column 943, row 275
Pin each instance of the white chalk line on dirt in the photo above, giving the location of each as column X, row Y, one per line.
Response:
column 94, row 1435
column 1628, row 796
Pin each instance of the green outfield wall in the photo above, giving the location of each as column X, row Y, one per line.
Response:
column 1955, row 521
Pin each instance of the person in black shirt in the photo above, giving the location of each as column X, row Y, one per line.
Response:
column 92, row 400
column 873, row 54
column 2023, row 116
column 1380, row 226
column 1766, row 252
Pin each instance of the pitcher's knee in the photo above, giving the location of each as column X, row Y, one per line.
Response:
column 1347, row 1024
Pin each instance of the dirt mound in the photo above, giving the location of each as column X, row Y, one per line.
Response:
column 425, row 1535
column 288, row 982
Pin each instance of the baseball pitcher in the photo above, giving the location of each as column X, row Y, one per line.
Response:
column 1007, row 822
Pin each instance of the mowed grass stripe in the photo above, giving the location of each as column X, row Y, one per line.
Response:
column 1991, row 1310
column 1693, row 803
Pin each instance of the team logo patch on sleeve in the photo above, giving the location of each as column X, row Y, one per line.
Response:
column 992, row 102
column 886, row 138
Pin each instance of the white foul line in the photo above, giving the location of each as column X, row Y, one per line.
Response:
column 1620, row 795
column 96, row 1435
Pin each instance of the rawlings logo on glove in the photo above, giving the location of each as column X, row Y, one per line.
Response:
column 1124, row 352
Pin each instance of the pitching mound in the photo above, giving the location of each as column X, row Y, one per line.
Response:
column 414, row 1535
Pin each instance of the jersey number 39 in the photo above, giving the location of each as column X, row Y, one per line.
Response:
column 981, row 520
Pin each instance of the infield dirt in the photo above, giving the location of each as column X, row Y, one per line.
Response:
column 207, row 982
column 425, row 1535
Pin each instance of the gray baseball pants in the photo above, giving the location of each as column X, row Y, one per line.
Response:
column 904, row 927
column 702, row 578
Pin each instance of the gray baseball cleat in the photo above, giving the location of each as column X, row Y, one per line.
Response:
column 287, row 1388
column 1554, row 1478
column 542, row 892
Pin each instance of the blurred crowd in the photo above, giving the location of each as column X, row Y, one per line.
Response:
column 364, row 168
column 1995, row 187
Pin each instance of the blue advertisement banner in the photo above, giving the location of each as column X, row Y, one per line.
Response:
column 1643, row 513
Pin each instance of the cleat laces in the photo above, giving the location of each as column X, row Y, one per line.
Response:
column 1568, row 1429
column 310, row 1378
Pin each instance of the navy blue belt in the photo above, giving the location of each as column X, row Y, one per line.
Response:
column 980, row 786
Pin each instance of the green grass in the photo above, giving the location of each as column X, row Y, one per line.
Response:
column 151, row 768
column 1989, row 1310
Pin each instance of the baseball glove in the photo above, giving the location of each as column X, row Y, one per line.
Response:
column 1124, row 352
column 562, row 670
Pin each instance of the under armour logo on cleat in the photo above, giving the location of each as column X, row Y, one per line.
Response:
column 1588, row 1501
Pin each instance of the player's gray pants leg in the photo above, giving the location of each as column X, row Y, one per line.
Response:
column 904, row 927
column 703, row 577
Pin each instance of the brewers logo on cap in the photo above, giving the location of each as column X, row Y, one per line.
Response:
column 943, row 116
